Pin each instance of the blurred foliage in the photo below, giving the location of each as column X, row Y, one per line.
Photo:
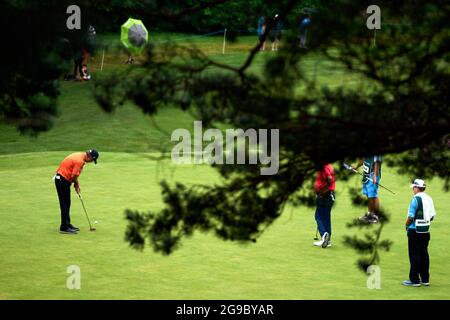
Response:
column 39, row 49
column 369, row 244
column 399, row 107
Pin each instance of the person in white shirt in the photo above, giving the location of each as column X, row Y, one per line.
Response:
column 420, row 213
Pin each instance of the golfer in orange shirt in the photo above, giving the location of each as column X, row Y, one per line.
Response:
column 67, row 173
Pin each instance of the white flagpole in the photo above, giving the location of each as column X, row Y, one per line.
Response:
column 224, row 40
column 103, row 58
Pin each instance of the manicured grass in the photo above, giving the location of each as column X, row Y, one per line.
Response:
column 283, row 264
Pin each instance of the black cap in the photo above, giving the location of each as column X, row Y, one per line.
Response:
column 93, row 154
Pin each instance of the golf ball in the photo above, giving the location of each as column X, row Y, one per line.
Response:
column 95, row 221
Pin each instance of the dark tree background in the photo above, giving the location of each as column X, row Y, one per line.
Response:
column 401, row 106
column 37, row 48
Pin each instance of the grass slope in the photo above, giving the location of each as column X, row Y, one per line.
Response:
column 81, row 123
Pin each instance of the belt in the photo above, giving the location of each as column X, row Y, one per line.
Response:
column 58, row 177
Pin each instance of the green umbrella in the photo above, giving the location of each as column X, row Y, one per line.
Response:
column 134, row 35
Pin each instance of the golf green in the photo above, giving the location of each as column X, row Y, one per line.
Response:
column 282, row 264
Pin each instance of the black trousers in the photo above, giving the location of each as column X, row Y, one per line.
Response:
column 63, row 190
column 418, row 256
column 323, row 212
column 78, row 67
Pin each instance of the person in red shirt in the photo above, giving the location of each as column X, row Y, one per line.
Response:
column 324, row 187
column 67, row 173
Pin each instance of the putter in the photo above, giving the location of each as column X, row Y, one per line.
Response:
column 348, row 167
column 82, row 203
column 316, row 238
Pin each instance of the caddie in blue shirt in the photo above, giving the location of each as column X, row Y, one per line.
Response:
column 420, row 213
column 371, row 179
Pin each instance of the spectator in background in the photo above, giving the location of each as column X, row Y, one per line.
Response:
column 130, row 59
column 85, row 74
column 305, row 21
column 261, row 29
column 275, row 33
column 64, row 48
column 78, row 63
column 88, row 50
column 82, row 54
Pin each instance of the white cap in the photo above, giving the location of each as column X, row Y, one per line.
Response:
column 419, row 183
